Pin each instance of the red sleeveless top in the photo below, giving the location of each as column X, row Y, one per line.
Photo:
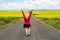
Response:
column 28, row 20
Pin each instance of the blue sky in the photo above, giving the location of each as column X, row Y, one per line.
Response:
column 29, row 4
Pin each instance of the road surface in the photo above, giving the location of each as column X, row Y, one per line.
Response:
column 39, row 31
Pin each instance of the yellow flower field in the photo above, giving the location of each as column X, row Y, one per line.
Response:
column 38, row 13
column 47, row 13
column 11, row 13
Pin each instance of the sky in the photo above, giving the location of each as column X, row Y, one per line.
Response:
column 29, row 4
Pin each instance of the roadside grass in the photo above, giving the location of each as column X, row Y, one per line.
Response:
column 7, row 21
column 55, row 22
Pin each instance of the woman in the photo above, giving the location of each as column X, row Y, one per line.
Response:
column 27, row 24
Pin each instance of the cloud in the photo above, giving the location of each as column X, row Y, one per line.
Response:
column 47, row 4
column 9, row 6
column 16, row 5
column 31, row 4
column 27, row 5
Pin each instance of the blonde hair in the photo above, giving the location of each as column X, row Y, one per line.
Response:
column 27, row 15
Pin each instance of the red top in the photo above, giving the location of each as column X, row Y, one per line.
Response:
column 27, row 21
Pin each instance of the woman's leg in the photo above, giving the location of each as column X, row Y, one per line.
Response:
column 29, row 30
column 26, row 31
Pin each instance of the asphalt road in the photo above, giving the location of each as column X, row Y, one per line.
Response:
column 39, row 31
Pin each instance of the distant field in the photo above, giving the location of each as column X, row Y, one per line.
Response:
column 11, row 13
column 47, row 13
column 37, row 13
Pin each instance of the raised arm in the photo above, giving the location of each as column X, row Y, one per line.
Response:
column 23, row 14
column 30, row 14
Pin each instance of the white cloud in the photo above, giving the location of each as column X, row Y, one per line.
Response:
column 10, row 6
column 46, row 3
column 30, row 4
column 4, row 5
